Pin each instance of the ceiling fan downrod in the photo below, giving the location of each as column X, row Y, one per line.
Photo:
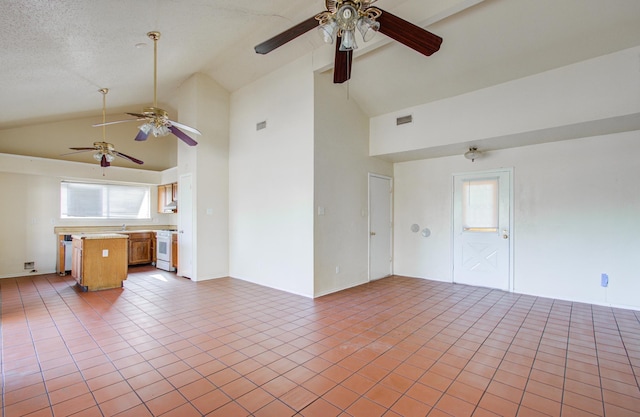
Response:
column 155, row 36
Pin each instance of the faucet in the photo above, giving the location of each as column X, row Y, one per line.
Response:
column 124, row 227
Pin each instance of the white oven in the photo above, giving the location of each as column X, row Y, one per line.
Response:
column 163, row 250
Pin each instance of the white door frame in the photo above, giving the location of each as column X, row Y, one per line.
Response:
column 510, row 172
column 186, row 257
column 369, row 231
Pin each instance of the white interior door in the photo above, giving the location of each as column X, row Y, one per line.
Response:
column 185, row 226
column 380, row 227
column 482, row 229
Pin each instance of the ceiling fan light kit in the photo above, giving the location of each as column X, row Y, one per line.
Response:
column 338, row 23
column 341, row 19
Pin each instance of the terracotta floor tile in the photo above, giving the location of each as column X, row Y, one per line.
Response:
column 498, row 405
column 320, row 408
column 165, row 402
column 364, row 407
column 119, row 404
column 154, row 390
column 210, row 401
column 541, row 404
column 228, row 410
column 341, row 397
column 393, row 347
column 298, row 398
column 74, row 405
column 382, row 395
column 358, row 384
column 274, row 408
column 319, row 384
column 408, row 407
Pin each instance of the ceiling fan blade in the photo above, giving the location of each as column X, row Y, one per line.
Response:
column 114, row 123
column 185, row 127
column 130, row 158
column 78, row 150
column 286, row 36
column 342, row 64
column 141, row 136
column 103, row 161
column 183, row 136
column 138, row 115
column 409, row 34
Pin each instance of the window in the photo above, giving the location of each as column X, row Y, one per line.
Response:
column 104, row 201
column 480, row 205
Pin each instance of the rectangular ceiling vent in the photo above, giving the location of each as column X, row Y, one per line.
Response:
column 404, row 120
column 261, row 125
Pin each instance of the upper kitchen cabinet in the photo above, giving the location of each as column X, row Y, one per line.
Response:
column 168, row 198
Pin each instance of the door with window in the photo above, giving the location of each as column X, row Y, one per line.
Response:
column 482, row 229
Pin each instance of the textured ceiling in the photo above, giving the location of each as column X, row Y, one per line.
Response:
column 55, row 55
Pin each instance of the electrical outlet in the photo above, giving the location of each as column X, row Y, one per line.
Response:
column 105, row 253
column 337, row 269
column 29, row 265
column 604, row 280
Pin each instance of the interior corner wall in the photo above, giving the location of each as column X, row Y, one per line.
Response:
column 204, row 104
column 271, row 180
column 575, row 217
column 342, row 166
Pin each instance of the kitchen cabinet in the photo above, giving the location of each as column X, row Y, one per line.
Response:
column 174, row 250
column 167, row 194
column 99, row 261
column 139, row 249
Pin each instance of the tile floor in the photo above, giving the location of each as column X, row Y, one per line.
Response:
column 166, row 346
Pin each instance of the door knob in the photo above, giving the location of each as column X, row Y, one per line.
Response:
column 373, row 233
column 505, row 235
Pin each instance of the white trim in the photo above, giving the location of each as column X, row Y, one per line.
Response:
column 391, row 254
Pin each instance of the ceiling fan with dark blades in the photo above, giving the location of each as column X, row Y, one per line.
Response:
column 157, row 120
column 340, row 21
column 105, row 152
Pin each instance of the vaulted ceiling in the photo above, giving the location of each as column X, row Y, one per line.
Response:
column 55, row 55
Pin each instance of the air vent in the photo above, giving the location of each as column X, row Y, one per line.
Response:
column 404, row 120
column 261, row 125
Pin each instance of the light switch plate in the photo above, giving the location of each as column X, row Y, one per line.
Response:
column 105, row 253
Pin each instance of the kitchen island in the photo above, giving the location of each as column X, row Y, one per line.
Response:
column 99, row 261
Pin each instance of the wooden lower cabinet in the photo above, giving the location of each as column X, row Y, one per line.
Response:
column 174, row 251
column 99, row 261
column 140, row 248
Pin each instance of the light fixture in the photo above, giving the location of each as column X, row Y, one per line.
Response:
column 103, row 151
column 342, row 17
column 472, row 153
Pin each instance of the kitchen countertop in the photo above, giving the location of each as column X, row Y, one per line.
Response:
column 74, row 230
column 100, row 236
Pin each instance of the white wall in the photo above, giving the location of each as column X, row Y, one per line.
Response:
column 271, row 180
column 601, row 89
column 575, row 217
column 342, row 165
column 31, row 207
column 204, row 104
